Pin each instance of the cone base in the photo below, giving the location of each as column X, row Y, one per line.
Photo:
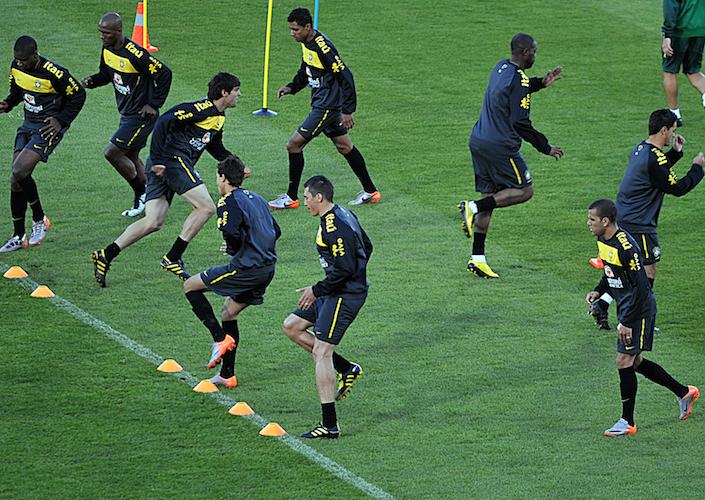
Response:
column 264, row 112
column 169, row 366
column 15, row 272
column 42, row 292
column 241, row 409
column 272, row 429
column 205, row 386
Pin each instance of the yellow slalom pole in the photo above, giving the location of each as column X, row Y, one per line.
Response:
column 264, row 111
column 144, row 24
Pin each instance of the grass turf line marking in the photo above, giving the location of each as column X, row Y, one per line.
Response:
column 295, row 444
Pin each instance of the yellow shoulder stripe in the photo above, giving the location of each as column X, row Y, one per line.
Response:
column 32, row 83
column 212, row 123
column 310, row 57
column 319, row 238
column 609, row 254
column 118, row 63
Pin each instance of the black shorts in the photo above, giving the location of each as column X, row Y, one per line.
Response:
column 133, row 132
column 245, row 287
column 328, row 121
column 178, row 178
column 650, row 246
column 642, row 337
column 28, row 137
column 497, row 169
column 332, row 315
column 687, row 52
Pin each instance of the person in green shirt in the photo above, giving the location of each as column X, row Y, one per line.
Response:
column 682, row 46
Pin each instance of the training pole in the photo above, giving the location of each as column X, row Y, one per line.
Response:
column 264, row 111
column 144, row 25
column 315, row 14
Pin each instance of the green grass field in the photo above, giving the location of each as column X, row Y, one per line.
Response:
column 473, row 388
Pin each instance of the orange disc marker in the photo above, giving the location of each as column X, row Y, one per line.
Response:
column 272, row 429
column 241, row 409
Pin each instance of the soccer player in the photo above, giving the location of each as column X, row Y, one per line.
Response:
column 331, row 305
column 333, row 102
column 648, row 178
column 52, row 99
column 501, row 174
column 682, row 46
column 141, row 84
column 180, row 137
column 250, row 233
column 624, row 276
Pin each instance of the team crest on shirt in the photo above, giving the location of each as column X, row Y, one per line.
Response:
column 38, row 84
column 122, row 63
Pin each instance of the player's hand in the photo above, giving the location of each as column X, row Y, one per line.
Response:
column 624, row 333
column 248, row 173
column 307, row 297
column 87, row 82
column 678, row 142
column 158, row 170
column 666, row 47
column 700, row 159
column 4, row 107
column 348, row 121
column 147, row 112
column 552, row 76
column 556, row 152
column 592, row 297
column 283, row 91
column 52, row 127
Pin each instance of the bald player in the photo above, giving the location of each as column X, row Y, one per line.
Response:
column 141, row 84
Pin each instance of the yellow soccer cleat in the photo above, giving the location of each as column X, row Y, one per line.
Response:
column 467, row 217
column 481, row 269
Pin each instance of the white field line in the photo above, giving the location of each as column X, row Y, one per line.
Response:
column 295, row 444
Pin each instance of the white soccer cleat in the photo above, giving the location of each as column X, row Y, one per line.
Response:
column 363, row 198
column 621, row 428
column 685, row 404
column 137, row 208
column 14, row 243
column 39, row 231
column 282, row 202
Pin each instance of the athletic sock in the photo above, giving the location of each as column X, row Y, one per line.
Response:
column 227, row 369
column 651, row 282
column 177, row 249
column 340, row 364
column 296, row 168
column 677, row 111
column 112, row 251
column 357, row 163
column 329, row 417
column 627, row 387
column 486, row 204
column 137, row 186
column 29, row 187
column 18, row 207
column 203, row 310
column 478, row 243
column 656, row 373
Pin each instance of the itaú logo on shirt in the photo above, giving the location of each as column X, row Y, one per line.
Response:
column 119, row 85
column 201, row 143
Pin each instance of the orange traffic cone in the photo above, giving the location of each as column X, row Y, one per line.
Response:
column 139, row 31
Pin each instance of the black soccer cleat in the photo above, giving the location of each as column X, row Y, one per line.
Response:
column 346, row 381
column 101, row 265
column 176, row 267
column 321, row 432
column 599, row 314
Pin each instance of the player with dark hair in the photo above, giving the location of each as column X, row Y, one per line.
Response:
column 333, row 102
column 250, row 233
column 624, row 276
column 647, row 179
column 180, row 137
column 52, row 99
column 331, row 305
column 141, row 84
column 501, row 174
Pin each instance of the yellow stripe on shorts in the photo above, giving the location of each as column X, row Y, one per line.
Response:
column 335, row 317
column 516, row 170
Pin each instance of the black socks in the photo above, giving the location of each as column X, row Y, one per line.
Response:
column 296, row 168
column 656, row 373
column 330, row 419
column 357, row 164
column 627, row 387
column 203, row 310
column 177, row 249
column 18, row 207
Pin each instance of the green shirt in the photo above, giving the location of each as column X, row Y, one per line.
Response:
column 683, row 18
